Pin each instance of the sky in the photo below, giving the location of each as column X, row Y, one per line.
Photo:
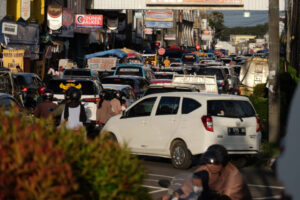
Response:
column 234, row 18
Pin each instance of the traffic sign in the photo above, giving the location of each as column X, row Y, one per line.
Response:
column 161, row 51
column 197, row 46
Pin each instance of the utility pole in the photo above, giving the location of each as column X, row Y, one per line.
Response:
column 288, row 29
column 274, row 63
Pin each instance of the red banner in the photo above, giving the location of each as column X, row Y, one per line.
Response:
column 89, row 21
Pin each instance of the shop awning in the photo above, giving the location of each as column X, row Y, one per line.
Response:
column 113, row 52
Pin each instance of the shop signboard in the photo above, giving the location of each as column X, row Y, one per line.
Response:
column 159, row 16
column 148, row 31
column 9, row 28
column 150, row 24
column 170, row 36
column 89, row 21
column 54, row 17
column 13, row 58
column 67, row 23
column 99, row 63
column 25, row 9
column 196, row 2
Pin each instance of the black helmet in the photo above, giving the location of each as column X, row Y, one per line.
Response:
column 73, row 94
column 211, row 157
column 117, row 94
column 104, row 95
column 48, row 95
column 222, row 150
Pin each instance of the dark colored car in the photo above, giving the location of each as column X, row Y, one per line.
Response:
column 22, row 86
column 7, row 102
column 139, row 84
column 81, row 73
column 222, row 79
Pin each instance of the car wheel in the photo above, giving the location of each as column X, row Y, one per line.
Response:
column 180, row 155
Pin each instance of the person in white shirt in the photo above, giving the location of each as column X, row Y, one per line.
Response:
column 74, row 113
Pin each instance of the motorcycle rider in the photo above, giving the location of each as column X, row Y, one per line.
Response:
column 44, row 109
column 115, row 103
column 104, row 108
column 74, row 113
column 224, row 181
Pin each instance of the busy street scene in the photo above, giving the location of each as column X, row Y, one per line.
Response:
column 149, row 99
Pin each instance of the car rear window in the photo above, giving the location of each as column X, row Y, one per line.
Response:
column 211, row 71
column 25, row 81
column 230, row 108
column 132, row 71
column 60, row 86
column 77, row 73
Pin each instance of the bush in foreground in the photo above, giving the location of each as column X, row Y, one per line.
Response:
column 39, row 161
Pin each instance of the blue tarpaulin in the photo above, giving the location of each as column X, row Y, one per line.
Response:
column 113, row 52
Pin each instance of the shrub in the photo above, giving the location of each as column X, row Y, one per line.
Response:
column 39, row 161
column 31, row 167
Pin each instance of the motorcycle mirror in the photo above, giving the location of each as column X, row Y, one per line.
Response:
column 164, row 183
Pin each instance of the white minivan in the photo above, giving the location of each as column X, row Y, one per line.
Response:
column 180, row 125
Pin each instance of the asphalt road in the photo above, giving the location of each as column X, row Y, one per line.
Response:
column 262, row 182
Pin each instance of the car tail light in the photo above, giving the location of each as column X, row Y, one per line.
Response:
column 134, row 90
column 24, row 89
column 257, row 124
column 91, row 99
column 208, row 123
column 223, row 83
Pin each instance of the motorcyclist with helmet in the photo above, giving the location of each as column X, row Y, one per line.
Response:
column 74, row 113
column 104, row 108
column 44, row 109
column 218, row 178
column 115, row 103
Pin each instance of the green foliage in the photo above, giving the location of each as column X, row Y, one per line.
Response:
column 261, row 106
column 216, row 21
column 39, row 161
column 258, row 30
column 31, row 167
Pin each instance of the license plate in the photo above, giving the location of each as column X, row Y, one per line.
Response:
column 237, row 131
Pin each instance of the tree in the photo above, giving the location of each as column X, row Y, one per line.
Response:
column 216, row 22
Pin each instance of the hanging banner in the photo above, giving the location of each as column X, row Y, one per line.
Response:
column 13, row 58
column 150, row 24
column 67, row 29
column 54, row 17
column 159, row 16
column 25, row 9
column 89, row 21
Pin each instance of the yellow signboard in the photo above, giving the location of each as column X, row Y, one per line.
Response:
column 13, row 58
